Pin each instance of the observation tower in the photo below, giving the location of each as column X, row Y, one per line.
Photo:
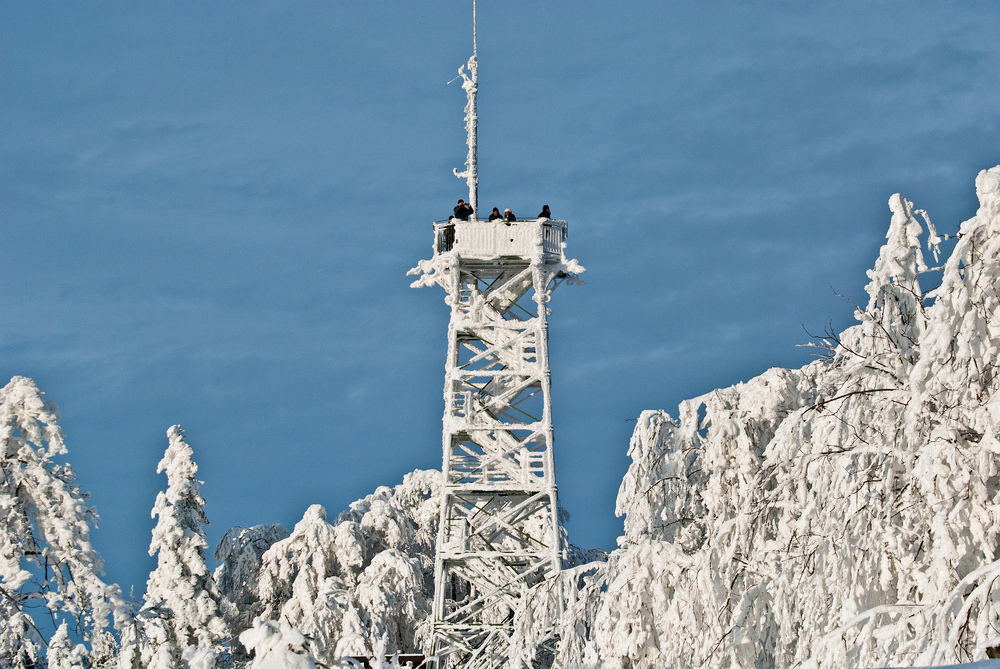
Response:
column 499, row 533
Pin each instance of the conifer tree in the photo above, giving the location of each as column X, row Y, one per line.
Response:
column 277, row 645
column 238, row 555
column 362, row 581
column 62, row 654
column 300, row 582
column 183, row 610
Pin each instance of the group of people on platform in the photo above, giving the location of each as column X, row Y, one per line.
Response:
column 464, row 211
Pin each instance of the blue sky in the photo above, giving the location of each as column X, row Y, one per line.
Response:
column 208, row 211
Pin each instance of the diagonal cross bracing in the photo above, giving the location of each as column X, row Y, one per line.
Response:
column 499, row 533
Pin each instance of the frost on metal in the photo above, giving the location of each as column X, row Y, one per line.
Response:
column 499, row 535
column 470, row 83
column 539, row 243
column 471, row 172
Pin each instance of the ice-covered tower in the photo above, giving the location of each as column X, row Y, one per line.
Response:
column 499, row 533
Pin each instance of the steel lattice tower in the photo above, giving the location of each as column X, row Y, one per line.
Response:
column 499, row 532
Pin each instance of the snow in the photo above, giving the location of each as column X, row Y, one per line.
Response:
column 277, row 645
column 981, row 664
column 238, row 555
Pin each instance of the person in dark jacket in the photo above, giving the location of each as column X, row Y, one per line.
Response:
column 463, row 210
column 448, row 234
column 495, row 216
column 508, row 215
column 545, row 212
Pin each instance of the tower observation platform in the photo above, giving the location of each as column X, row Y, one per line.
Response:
column 493, row 240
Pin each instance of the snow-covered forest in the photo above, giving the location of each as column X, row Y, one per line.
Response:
column 843, row 514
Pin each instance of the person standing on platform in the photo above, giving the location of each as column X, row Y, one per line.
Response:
column 463, row 210
column 545, row 213
column 508, row 215
column 495, row 216
column 448, row 234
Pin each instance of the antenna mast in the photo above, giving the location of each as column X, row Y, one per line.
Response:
column 470, row 82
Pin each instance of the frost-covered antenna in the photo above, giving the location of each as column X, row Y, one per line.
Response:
column 470, row 84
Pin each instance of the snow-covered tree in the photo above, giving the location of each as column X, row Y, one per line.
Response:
column 239, row 554
column 277, row 645
column 182, row 617
column 300, row 583
column 843, row 514
column 62, row 653
column 391, row 595
column 365, row 580
column 47, row 563
column 894, row 319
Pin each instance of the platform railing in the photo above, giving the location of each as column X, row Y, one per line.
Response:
column 500, row 239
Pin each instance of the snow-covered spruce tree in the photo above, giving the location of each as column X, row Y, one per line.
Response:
column 62, row 653
column 363, row 581
column 843, row 514
column 239, row 555
column 391, row 595
column 182, row 616
column 299, row 582
column 47, row 564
